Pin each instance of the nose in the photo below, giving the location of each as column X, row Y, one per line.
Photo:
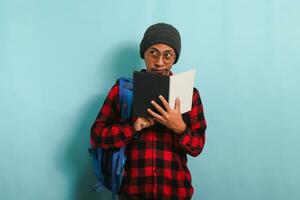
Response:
column 160, row 61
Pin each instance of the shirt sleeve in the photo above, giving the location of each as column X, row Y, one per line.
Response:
column 107, row 131
column 193, row 138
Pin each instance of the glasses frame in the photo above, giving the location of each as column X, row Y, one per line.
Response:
column 160, row 54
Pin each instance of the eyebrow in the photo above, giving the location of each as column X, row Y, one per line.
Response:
column 166, row 51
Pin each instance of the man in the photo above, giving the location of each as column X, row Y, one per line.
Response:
column 156, row 166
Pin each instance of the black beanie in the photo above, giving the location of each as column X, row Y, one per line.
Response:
column 161, row 33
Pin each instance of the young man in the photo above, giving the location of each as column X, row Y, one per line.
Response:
column 156, row 166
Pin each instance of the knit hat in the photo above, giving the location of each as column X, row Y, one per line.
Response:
column 161, row 33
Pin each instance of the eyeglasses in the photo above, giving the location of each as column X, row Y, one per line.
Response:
column 167, row 56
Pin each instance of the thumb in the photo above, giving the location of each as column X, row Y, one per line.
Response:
column 177, row 104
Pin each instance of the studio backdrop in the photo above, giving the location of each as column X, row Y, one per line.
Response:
column 59, row 58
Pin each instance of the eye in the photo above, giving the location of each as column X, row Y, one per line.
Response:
column 153, row 53
column 168, row 56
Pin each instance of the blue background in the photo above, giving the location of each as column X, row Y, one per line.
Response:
column 58, row 59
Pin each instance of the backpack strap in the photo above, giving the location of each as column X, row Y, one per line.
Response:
column 119, row 158
column 118, row 161
column 96, row 154
column 125, row 97
column 113, row 174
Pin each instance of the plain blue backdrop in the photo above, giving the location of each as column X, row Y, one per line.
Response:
column 58, row 59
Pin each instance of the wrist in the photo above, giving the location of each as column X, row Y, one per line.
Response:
column 180, row 130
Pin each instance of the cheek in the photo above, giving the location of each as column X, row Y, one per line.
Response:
column 149, row 65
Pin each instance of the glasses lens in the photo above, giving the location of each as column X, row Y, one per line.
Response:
column 168, row 56
column 153, row 54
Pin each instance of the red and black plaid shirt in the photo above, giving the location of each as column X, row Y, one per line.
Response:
column 156, row 166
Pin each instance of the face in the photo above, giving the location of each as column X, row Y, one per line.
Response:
column 159, row 58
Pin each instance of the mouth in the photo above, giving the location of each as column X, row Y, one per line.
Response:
column 159, row 71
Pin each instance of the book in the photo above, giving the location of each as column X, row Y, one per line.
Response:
column 147, row 86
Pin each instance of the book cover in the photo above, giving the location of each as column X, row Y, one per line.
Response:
column 148, row 86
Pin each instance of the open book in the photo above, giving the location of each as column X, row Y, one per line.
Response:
column 148, row 86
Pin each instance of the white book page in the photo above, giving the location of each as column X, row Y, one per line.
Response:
column 181, row 85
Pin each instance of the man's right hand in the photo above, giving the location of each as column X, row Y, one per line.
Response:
column 141, row 123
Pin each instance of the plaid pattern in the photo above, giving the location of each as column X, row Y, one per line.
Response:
column 156, row 166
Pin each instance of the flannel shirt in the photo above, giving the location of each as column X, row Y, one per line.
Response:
column 156, row 166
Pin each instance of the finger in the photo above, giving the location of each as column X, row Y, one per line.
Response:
column 177, row 104
column 161, row 121
column 158, row 107
column 164, row 101
column 144, row 119
column 148, row 122
column 145, row 124
column 155, row 115
column 151, row 121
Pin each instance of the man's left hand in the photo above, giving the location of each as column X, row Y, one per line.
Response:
column 171, row 118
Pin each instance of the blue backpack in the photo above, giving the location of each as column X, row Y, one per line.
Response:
column 108, row 164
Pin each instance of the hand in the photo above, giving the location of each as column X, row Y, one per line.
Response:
column 171, row 118
column 141, row 123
